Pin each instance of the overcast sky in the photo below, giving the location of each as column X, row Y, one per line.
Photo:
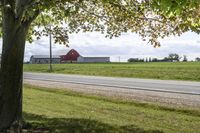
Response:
column 127, row 46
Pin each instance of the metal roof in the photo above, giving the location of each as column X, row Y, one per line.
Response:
column 93, row 57
column 45, row 56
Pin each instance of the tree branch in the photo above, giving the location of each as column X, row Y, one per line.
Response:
column 105, row 18
column 31, row 19
column 1, row 2
column 21, row 6
column 124, row 9
column 91, row 13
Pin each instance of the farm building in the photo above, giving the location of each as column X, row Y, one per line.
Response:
column 71, row 57
column 44, row 59
column 93, row 59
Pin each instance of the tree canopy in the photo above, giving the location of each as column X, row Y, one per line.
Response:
column 152, row 19
column 184, row 13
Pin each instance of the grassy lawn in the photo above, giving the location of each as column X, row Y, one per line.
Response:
column 164, row 70
column 60, row 111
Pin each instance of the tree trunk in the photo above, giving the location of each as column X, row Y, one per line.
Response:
column 14, row 37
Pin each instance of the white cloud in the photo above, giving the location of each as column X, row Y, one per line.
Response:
column 127, row 46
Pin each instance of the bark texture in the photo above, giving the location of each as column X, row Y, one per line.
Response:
column 14, row 36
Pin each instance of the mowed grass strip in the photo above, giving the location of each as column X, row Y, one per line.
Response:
column 160, row 70
column 68, row 112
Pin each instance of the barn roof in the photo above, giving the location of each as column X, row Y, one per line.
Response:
column 45, row 56
column 95, row 57
column 71, row 55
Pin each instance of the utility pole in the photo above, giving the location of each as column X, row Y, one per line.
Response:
column 50, row 50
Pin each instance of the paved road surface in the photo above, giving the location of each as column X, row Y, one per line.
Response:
column 181, row 87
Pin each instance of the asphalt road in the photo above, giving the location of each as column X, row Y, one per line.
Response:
column 181, row 87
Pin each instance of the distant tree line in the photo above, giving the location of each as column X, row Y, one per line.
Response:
column 172, row 57
column 197, row 59
column 135, row 60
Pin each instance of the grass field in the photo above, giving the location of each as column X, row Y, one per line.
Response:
column 163, row 70
column 60, row 111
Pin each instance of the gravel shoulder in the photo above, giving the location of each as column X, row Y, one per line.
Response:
column 168, row 99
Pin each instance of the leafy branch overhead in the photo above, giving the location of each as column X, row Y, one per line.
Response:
column 152, row 19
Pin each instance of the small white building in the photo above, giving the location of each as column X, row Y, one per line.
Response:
column 93, row 59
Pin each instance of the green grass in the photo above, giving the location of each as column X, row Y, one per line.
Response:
column 60, row 111
column 164, row 70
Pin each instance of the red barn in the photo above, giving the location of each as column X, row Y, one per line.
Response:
column 71, row 56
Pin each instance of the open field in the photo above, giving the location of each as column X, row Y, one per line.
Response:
column 163, row 70
column 60, row 111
